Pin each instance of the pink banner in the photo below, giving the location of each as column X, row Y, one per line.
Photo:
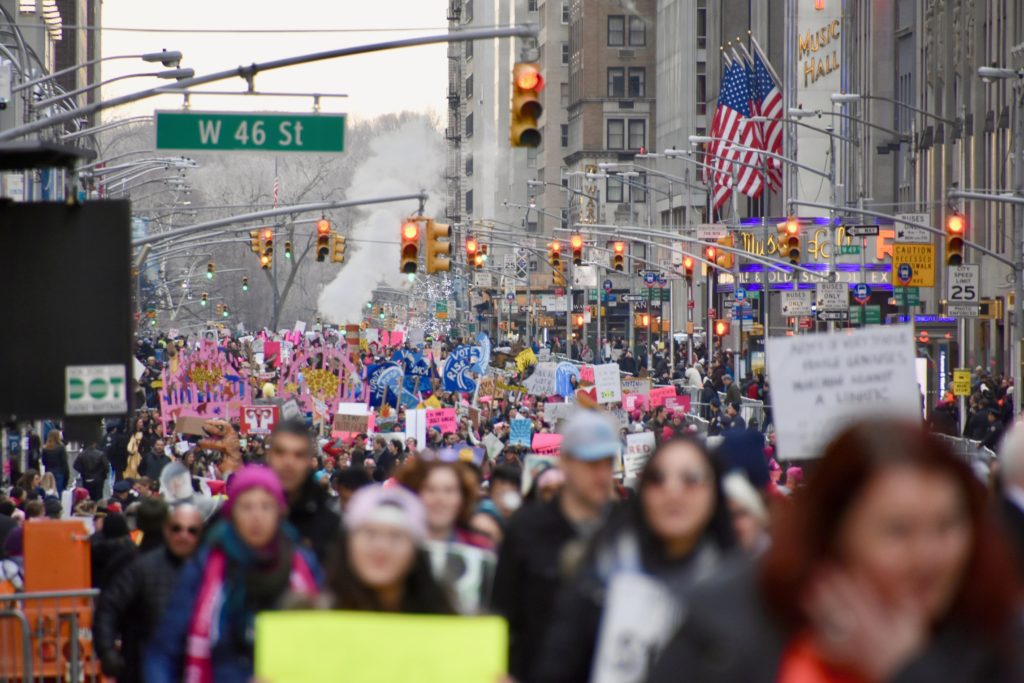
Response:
column 680, row 405
column 659, row 394
column 443, row 419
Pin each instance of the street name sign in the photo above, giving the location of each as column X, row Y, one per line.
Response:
column 909, row 233
column 712, row 232
column 250, row 131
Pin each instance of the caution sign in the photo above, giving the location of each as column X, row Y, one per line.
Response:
column 913, row 265
column 961, row 382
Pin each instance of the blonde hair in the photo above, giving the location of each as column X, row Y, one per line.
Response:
column 48, row 482
column 53, row 439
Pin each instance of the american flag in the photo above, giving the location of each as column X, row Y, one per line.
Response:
column 731, row 125
column 768, row 103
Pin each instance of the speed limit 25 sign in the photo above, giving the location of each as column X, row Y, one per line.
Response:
column 963, row 290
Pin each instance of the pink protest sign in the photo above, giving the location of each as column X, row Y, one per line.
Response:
column 633, row 402
column 546, row 444
column 659, row 394
column 587, row 374
column 443, row 419
column 206, row 383
column 678, row 404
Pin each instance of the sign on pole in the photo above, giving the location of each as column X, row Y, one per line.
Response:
column 797, row 303
column 862, row 230
column 910, row 234
column 824, row 382
column 833, row 301
column 913, row 265
column 712, row 232
column 963, row 285
column 95, row 390
column 250, row 131
column 961, row 382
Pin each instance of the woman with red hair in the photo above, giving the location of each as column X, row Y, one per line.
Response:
column 887, row 568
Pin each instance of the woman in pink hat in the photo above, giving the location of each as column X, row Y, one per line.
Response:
column 250, row 561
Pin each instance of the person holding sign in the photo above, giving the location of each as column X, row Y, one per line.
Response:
column 673, row 534
column 889, row 567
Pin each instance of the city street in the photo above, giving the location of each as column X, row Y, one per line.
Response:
column 521, row 341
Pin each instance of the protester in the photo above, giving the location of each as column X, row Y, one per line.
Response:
column 250, row 560
column 1010, row 497
column 94, row 468
column 55, row 459
column 528, row 574
column 888, row 567
column 131, row 605
column 675, row 531
column 112, row 549
column 449, row 497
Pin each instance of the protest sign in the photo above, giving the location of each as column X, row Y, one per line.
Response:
column 467, row 570
column 639, row 448
column 258, row 419
column 351, row 423
column 520, row 432
column 659, row 394
column 546, row 444
column 494, row 446
column 823, row 382
column 416, row 426
column 553, row 412
column 636, row 385
column 635, row 402
column 679, row 405
column 542, row 381
column 290, row 646
column 606, row 380
column 443, row 419
column 587, row 375
column 533, row 465
column 462, row 360
column 565, row 373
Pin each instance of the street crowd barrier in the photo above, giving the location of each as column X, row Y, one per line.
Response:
column 48, row 637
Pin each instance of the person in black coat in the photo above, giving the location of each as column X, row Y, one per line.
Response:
column 112, row 549
column 55, row 459
column 94, row 467
column 132, row 603
column 292, row 456
column 1010, row 498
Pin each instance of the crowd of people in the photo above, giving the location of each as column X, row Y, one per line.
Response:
column 891, row 560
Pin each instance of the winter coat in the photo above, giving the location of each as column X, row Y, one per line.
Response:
column 313, row 519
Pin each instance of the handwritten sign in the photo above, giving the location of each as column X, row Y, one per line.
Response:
column 443, row 419
column 351, row 423
column 520, row 431
column 821, row 383
column 639, row 449
column 606, row 380
column 636, row 385
column 258, row 419
column 546, row 444
column 542, row 381
column 658, row 395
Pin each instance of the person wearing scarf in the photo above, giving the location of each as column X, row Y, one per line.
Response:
column 249, row 562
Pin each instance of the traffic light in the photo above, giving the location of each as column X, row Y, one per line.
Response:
column 245, row 284
column 268, row 242
column 484, row 249
column 789, row 240
column 711, row 254
column 527, row 82
column 724, row 258
column 956, row 230
column 410, row 246
column 323, row 239
column 645, row 320
column 472, row 248
column 211, row 269
column 688, row 268
column 439, row 247
column 255, row 243
column 265, row 262
column 478, row 260
column 338, row 244
column 204, row 299
column 287, row 249
column 576, row 242
column 721, row 328
column 578, row 319
column 224, row 311
column 555, row 254
column 619, row 256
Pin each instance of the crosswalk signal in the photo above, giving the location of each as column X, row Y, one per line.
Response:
column 527, row 82
column 338, row 246
column 439, row 247
column 721, row 328
column 956, row 230
column 789, row 240
column 323, row 239
column 245, row 284
column 619, row 256
column 645, row 320
column 688, row 268
column 268, row 242
column 410, row 247
column 725, row 258
column 211, row 269
column 576, row 242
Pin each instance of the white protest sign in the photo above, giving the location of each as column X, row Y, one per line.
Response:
column 300, row 326
column 416, row 425
column 606, row 381
column 639, row 448
column 636, row 385
column 553, row 412
column 542, row 381
column 823, row 382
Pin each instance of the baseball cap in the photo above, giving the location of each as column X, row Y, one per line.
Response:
column 590, row 436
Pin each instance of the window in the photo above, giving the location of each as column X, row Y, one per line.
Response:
column 616, row 30
column 637, row 189
column 565, row 54
column 616, row 133
column 637, row 79
column 531, row 226
column 637, row 32
column 531, row 156
column 469, row 201
column 469, row 165
column 469, row 87
column 637, row 133
column 469, row 49
column 613, row 190
column 531, row 5
column 565, row 135
column 702, row 89
column 469, row 126
column 702, row 24
column 565, row 11
column 616, row 82
column 468, row 13
column 565, row 94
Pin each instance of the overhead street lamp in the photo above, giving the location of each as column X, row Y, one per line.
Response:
column 177, row 74
column 851, row 97
column 169, row 58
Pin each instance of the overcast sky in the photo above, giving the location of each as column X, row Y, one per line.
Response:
column 411, row 79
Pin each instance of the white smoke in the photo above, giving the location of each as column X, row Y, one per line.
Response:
column 405, row 160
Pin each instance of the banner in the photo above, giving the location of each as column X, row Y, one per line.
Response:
column 659, row 394
column 293, row 646
column 384, row 380
column 257, row 419
column 606, row 380
column 458, row 366
column 520, row 432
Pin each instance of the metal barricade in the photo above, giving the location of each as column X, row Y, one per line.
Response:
column 48, row 637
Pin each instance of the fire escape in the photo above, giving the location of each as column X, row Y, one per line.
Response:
column 453, row 133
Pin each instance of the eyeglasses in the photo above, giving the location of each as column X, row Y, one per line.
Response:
column 690, row 479
column 190, row 530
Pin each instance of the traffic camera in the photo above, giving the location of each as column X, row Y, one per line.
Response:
column 410, row 246
column 527, row 82
column 956, row 230
column 439, row 247
column 323, row 239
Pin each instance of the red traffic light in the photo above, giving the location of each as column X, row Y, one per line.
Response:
column 619, row 247
column 471, row 246
column 955, row 224
column 556, row 247
column 528, row 77
column 721, row 328
column 711, row 253
column 576, row 241
column 268, row 234
column 323, row 226
column 688, row 263
column 792, row 226
column 410, row 230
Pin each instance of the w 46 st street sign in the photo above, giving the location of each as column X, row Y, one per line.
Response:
column 256, row 131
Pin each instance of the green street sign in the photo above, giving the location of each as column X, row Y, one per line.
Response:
column 849, row 249
column 907, row 296
column 872, row 313
column 256, row 131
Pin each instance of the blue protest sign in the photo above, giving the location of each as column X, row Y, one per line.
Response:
column 520, row 432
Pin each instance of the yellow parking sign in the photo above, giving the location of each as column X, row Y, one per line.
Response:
column 961, row 382
column 913, row 265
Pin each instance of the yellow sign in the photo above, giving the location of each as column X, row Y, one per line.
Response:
column 961, row 382
column 292, row 647
column 919, row 259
